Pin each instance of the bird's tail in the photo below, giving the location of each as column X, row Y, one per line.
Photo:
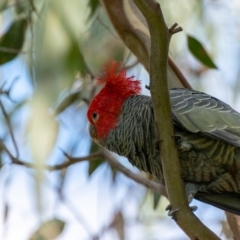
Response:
column 229, row 202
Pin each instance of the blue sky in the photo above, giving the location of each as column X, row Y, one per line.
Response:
column 89, row 204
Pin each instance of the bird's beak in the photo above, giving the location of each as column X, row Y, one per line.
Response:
column 93, row 132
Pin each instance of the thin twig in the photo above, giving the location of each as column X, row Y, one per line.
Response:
column 137, row 178
column 91, row 157
column 174, row 29
column 8, row 91
column 178, row 73
column 7, row 120
column 72, row 160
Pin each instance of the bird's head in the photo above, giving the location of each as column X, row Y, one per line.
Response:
column 106, row 107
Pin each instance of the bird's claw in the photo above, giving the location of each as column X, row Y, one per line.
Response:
column 189, row 198
column 184, row 146
column 170, row 211
column 193, row 208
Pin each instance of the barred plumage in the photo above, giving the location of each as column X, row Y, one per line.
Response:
column 210, row 127
column 134, row 138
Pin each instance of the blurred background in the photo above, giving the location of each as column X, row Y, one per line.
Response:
column 50, row 53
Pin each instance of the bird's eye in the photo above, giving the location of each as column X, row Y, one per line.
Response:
column 95, row 116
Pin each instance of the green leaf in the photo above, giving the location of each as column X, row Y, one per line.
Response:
column 93, row 165
column 156, row 199
column 1, row 162
column 94, row 147
column 114, row 173
column 20, row 7
column 49, row 230
column 75, row 60
column 93, row 4
column 197, row 49
column 3, row 5
column 12, row 41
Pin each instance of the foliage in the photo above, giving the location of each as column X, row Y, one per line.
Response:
column 63, row 46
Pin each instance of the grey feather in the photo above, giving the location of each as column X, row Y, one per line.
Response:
column 199, row 112
column 207, row 126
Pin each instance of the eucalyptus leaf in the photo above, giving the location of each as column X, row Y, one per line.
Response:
column 12, row 41
column 75, row 60
column 94, row 5
column 3, row 5
column 114, row 173
column 94, row 147
column 198, row 51
column 49, row 230
column 1, row 161
column 93, row 165
column 156, row 199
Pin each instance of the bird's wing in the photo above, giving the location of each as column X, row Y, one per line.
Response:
column 199, row 112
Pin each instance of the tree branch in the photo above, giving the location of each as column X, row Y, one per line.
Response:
column 92, row 157
column 234, row 224
column 137, row 178
column 178, row 73
column 72, row 160
column 132, row 29
column 160, row 39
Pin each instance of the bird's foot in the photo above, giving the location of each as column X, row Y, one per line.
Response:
column 171, row 212
column 193, row 188
column 183, row 146
column 193, row 208
column 190, row 197
column 203, row 188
